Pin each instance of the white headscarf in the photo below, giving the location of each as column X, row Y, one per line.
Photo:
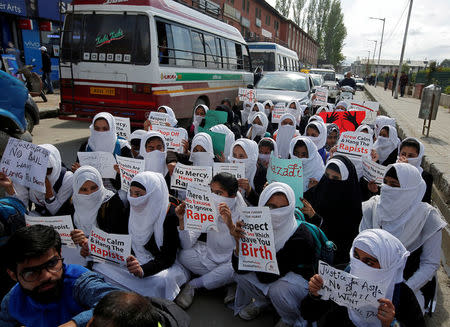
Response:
column 197, row 119
column 148, row 213
column 172, row 118
column 251, row 149
column 385, row 145
column 417, row 161
column 154, row 160
column 341, row 104
column 322, row 109
column 297, row 112
column 315, row 117
column 202, row 158
column 258, row 130
column 283, row 219
column 265, row 103
column 86, row 206
column 362, row 127
column 284, row 135
column 320, row 140
column 229, row 137
column 381, row 121
column 246, row 109
column 103, row 141
column 265, row 158
column 313, row 165
column 391, row 255
column 260, row 108
column 342, row 168
column 137, row 134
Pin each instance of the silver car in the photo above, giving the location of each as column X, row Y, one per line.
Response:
column 284, row 87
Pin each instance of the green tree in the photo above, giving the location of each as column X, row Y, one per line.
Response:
column 321, row 16
column 309, row 16
column 297, row 8
column 283, row 7
column 334, row 35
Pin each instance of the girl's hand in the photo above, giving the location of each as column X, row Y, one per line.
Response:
column 179, row 211
column 386, row 312
column 78, row 236
column 220, row 157
column 147, row 125
column 315, row 284
column 374, row 155
column 75, row 166
column 245, row 185
column 373, row 187
column 307, row 209
column 134, row 267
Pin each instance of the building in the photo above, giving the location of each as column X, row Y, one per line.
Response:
column 362, row 66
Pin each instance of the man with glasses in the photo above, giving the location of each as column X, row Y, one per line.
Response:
column 48, row 292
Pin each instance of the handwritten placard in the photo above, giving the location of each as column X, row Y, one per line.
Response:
column 247, row 94
column 102, row 161
column 320, row 96
column 159, row 118
column 123, row 127
column 200, row 212
column 184, row 175
column 62, row 224
column 257, row 248
column 129, row 167
column 278, row 110
column 373, row 171
column 25, row 163
column 111, row 248
column 172, row 136
column 354, row 143
column 236, row 169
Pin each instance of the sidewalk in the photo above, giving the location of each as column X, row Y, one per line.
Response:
column 48, row 109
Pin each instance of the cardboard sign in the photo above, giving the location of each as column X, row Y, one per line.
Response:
column 345, row 120
column 373, row 171
column 62, row 224
column 218, row 140
column 123, row 127
column 353, row 143
column 214, row 118
column 112, row 248
column 159, row 118
column 25, row 164
column 289, row 171
column 173, row 137
column 247, row 94
column 102, row 161
column 235, row 169
column 129, row 167
column 321, row 96
column 257, row 248
column 370, row 107
column 278, row 111
column 351, row 292
column 185, row 175
column 200, row 212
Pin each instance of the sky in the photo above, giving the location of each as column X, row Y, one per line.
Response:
column 428, row 33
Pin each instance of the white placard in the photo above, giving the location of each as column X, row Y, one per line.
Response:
column 201, row 214
column 278, row 111
column 370, row 107
column 184, row 175
column 235, row 169
column 354, row 143
column 172, row 136
column 25, row 163
column 247, row 94
column 257, row 248
column 111, row 248
column 373, row 171
column 321, row 96
column 102, row 161
column 159, row 118
column 129, row 167
column 62, row 224
column 123, row 127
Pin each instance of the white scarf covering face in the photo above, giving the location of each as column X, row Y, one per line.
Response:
column 103, row 141
column 259, row 108
column 382, row 121
column 251, row 149
column 297, row 112
column 258, row 130
column 202, row 158
column 197, row 119
column 320, row 140
column 313, row 165
column 284, row 135
column 172, row 118
column 283, row 219
column 148, row 213
column 341, row 104
column 385, row 145
column 86, row 206
column 137, row 134
column 155, row 160
column 229, row 137
column 246, row 109
column 392, row 256
column 265, row 103
column 417, row 161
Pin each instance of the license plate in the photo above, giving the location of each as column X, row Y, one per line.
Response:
column 103, row 91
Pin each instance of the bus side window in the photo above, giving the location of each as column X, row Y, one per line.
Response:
column 182, row 44
column 71, row 48
column 224, row 54
column 247, row 63
column 240, row 60
column 164, row 34
column 198, row 49
column 232, row 55
column 285, row 63
column 280, row 63
column 211, row 51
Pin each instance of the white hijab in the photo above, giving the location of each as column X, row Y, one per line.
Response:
column 154, row 160
column 246, row 109
column 137, row 134
column 284, row 135
column 251, row 149
column 265, row 103
column 148, row 213
column 260, row 108
column 313, row 165
column 297, row 112
column 392, row 256
column 202, row 158
column 103, row 141
column 172, row 118
column 255, row 129
column 283, row 219
column 362, row 127
column 229, row 137
column 315, row 117
column 382, row 121
column 417, row 161
column 86, row 206
column 197, row 119
column 385, row 145
column 320, row 140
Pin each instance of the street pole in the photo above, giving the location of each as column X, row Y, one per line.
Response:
column 403, row 51
column 381, row 45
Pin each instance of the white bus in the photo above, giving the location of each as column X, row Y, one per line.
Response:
column 273, row 57
column 128, row 57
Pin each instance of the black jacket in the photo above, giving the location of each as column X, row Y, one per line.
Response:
column 348, row 82
column 46, row 63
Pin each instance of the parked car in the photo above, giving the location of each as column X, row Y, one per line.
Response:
column 359, row 84
column 317, row 80
column 329, row 77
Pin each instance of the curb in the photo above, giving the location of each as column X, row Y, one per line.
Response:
column 48, row 113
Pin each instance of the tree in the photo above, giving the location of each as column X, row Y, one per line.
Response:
column 283, row 7
column 310, row 12
column 297, row 8
column 334, row 35
column 321, row 16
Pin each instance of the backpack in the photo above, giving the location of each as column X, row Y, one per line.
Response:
column 12, row 217
column 171, row 315
column 325, row 248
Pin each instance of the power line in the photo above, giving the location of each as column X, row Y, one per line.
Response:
column 388, row 39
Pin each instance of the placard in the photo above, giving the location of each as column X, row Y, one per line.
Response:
column 218, row 140
column 351, row 292
column 172, row 136
column 62, row 224
column 214, row 117
column 321, row 96
column 123, row 127
column 278, row 110
column 247, row 94
column 200, row 215
column 345, row 120
column 354, row 143
column 159, row 118
column 370, row 107
column 129, row 167
column 257, row 248
column 236, row 169
column 184, row 175
column 289, row 171
column 102, row 161
column 111, row 248
column 373, row 171
column 25, row 163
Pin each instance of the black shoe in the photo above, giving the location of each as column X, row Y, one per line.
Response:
column 50, row 93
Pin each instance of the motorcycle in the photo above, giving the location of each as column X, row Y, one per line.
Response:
column 347, row 93
column 33, row 82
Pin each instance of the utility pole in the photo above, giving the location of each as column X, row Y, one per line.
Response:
column 381, row 44
column 403, row 51
column 374, row 50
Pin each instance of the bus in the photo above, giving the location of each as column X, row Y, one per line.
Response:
column 128, row 57
column 273, row 57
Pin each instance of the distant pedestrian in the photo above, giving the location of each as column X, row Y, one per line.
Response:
column 387, row 76
column 46, row 70
column 403, row 83
column 394, row 81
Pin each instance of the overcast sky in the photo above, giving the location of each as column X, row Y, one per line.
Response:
column 428, row 36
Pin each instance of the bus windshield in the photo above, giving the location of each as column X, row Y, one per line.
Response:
column 266, row 60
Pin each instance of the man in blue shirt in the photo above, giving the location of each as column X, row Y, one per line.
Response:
column 48, row 292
